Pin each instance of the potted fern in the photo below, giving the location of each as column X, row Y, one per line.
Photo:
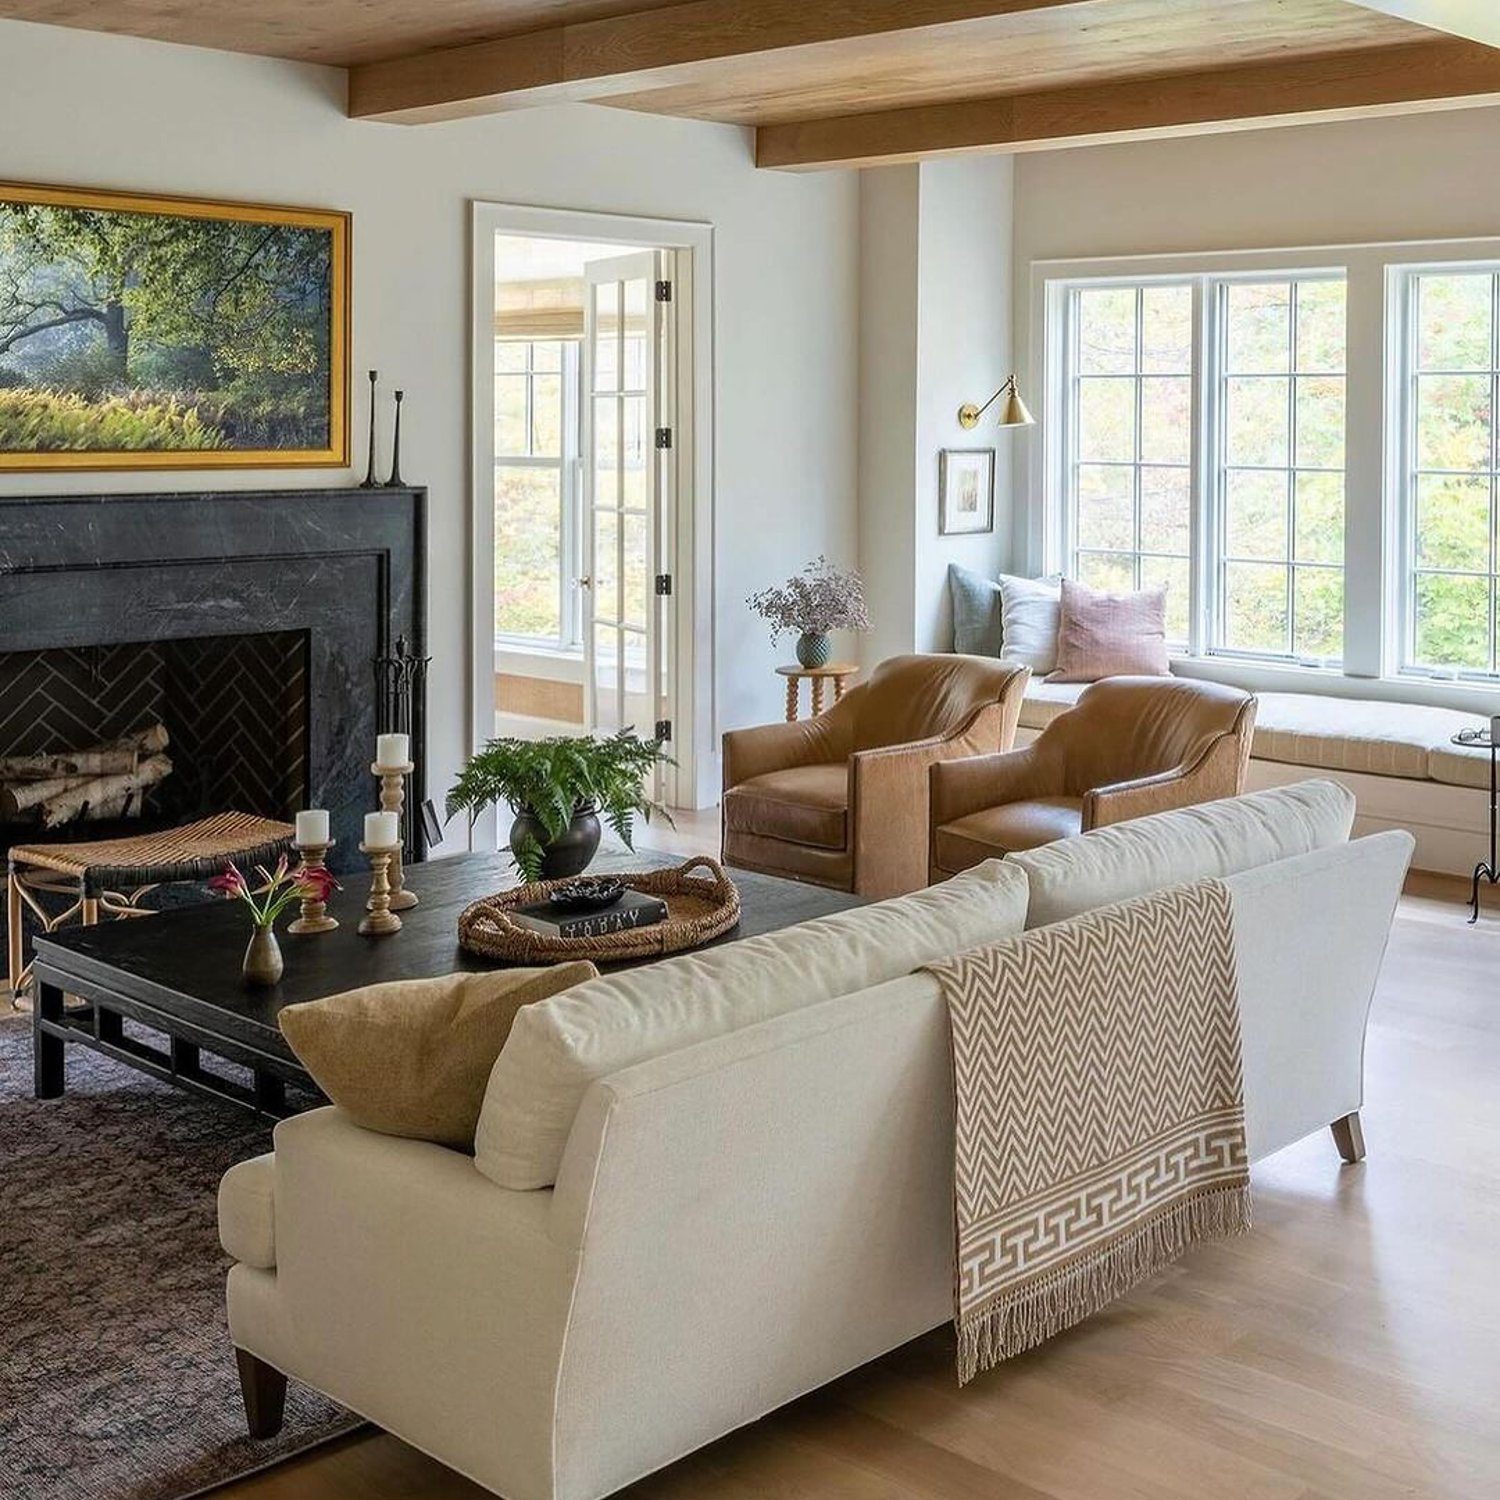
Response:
column 558, row 789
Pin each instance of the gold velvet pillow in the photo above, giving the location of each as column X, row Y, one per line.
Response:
column 413, row 1057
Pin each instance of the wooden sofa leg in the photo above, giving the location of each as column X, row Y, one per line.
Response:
column 263, row 1389
column 1349, row 1137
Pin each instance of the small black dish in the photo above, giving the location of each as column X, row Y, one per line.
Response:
column 592, row 893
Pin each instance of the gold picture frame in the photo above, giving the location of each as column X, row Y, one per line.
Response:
column 323, row 441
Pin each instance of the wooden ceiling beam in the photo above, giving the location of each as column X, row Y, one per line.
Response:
column 1410, row 77
column 1479, row 20
column 592, row 60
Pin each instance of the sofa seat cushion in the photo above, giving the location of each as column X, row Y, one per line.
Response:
column 560, row 1046
column 996, row 831
column 1349, row 734
column 1045, row 700
column 247, row 1212
column 801, row 805
column 1209, row 841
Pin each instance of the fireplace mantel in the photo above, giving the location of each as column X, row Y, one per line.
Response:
column 348, row 566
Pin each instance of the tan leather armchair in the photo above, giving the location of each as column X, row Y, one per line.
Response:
column 841, row 799
column 1130, row 746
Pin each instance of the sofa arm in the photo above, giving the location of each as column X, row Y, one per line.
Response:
column 1216, row 772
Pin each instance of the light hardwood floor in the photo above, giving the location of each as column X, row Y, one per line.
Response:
column 1347, row 1349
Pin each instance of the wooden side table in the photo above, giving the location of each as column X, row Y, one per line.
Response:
column 837, row 671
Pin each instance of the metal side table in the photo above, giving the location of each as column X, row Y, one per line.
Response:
column 1489, row 869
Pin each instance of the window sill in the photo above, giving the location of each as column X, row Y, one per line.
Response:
column 520, row 659
column 1334, row 682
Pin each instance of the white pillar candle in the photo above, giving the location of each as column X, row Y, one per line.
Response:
column 312, row 827
column 382, row 831
column 393, row 750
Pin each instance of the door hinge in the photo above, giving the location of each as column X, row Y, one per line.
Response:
column 663, row 584
column 663, row 437
column 664, row 729
column 663, row 291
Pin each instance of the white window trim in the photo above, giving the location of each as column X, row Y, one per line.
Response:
column 1373, row 556
column 695, row 711
column 1401, row 384
column 569, row 468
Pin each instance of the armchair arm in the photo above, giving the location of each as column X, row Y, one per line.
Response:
column 1217, row 771
column 960, row 787
column 776, row 747
column 888, row 802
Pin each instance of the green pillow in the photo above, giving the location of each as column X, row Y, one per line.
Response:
column 977, row 629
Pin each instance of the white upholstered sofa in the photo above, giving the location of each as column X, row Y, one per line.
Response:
column 704, row 1188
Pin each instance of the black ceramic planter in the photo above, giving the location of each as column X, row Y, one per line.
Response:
column 569, row 855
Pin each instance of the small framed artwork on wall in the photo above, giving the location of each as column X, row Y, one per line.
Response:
column 145, row 332
column 966, row 490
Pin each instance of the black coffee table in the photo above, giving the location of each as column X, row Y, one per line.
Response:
column 178, row 974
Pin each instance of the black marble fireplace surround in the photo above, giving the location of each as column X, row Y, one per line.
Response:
column 345, row 568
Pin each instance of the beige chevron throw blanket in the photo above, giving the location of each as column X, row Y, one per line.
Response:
column 1099, row 1112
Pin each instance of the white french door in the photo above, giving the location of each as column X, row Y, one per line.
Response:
column 625, row 484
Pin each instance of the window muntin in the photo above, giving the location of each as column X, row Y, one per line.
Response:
column 1279, row 470
column 536, row 487
column 1129, row 476
column 1449, row 385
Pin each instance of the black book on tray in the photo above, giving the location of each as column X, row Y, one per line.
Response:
column 633, row 909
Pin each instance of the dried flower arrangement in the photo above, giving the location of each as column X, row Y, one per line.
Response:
column 818, row 599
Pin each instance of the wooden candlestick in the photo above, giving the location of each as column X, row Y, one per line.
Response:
column 393, row 799
column 314, row 913
column 380, row 919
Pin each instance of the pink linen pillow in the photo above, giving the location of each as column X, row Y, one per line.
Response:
column 1110, row 635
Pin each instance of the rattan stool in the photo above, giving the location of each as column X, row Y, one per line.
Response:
column 110, row 876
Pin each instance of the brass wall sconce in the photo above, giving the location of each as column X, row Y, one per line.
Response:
column 1012, row 414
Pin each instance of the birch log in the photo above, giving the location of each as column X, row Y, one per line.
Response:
column 110, row 759
column 102, row 792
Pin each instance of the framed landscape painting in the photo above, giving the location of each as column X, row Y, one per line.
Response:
column 165, row 333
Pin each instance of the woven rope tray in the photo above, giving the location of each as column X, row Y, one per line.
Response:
column 700, row 907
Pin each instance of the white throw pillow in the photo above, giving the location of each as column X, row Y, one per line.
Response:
column 1190, row 843
column 1029, row 611
column 559, row 1046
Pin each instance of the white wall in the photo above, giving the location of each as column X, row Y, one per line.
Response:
column 114, row 112
column 935, row 279
column 888, row 266
column 964, row 354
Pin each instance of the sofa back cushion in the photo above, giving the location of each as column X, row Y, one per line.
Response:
column 1191, row 843
column 559, row 1046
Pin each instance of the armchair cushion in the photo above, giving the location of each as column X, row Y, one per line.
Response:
column 802, row 804
column 996, row 831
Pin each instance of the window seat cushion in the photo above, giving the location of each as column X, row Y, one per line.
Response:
column 1350, row 734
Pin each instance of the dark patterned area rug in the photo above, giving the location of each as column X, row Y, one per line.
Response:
column 117, row 1379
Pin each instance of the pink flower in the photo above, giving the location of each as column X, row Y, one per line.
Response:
column 314, row 883
column 231, row 882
